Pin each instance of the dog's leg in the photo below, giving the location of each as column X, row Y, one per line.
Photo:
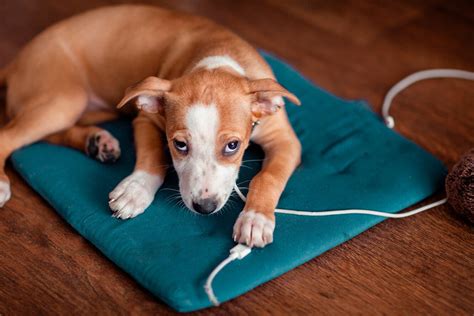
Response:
column 94, row 141
column 38, row 118
column 97, row 117
column 136, row 192
column 256, row 222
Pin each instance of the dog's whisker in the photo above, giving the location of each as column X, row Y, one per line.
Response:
column 230, row 203
column 253, row 160
column 177, row 203
column 175, row 194
column 173, row 198
column 169, row 189
column 183, row 206
column 239, row 183
column 244, row 166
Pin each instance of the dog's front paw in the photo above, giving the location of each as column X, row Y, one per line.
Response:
column 253, row 229
column 5, row 192
column 103, row 147
column 134, row 194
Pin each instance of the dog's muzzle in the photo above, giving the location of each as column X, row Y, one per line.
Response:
column 205, row 206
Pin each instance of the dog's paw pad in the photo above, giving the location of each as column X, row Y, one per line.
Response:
column 253, row 229
column 103, row 147
column 5, row 192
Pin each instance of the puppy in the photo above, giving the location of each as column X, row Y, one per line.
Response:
column 198, row 88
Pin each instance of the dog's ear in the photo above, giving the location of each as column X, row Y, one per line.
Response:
column 148, row 94
column 267, row 96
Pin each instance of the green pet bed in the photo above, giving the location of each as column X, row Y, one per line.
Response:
column 350, row 160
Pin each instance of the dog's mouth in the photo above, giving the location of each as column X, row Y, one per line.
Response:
column 206, row 206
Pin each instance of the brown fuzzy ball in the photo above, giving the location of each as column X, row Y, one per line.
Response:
column 460, row 186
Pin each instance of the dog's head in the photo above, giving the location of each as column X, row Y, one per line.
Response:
column 209, row 116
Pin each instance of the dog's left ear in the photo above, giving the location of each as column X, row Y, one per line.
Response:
column 148, row 94
column 268, row 96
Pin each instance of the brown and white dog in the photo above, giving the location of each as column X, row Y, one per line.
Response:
column 200, row 90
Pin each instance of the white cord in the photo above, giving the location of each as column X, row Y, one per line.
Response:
column 363, row 212
column 350, row 211
column 208, row 286
column 240, row 251
column 415, row 77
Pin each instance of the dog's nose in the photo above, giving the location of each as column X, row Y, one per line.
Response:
column 205, row 206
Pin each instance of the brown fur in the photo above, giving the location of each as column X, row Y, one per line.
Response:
column 72, row 75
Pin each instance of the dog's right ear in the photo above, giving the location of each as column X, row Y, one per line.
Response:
column 148, row 94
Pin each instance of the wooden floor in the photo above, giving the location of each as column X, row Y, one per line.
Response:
column 355, row 49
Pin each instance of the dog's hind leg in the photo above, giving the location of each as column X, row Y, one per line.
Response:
column 94, row 141
column 38, row 117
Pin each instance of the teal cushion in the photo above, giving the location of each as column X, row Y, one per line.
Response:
column 350, row 160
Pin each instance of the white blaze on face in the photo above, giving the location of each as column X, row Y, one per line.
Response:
column 201, row 176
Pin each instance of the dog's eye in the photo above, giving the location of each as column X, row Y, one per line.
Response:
column 180, row 146
column 231, row 147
